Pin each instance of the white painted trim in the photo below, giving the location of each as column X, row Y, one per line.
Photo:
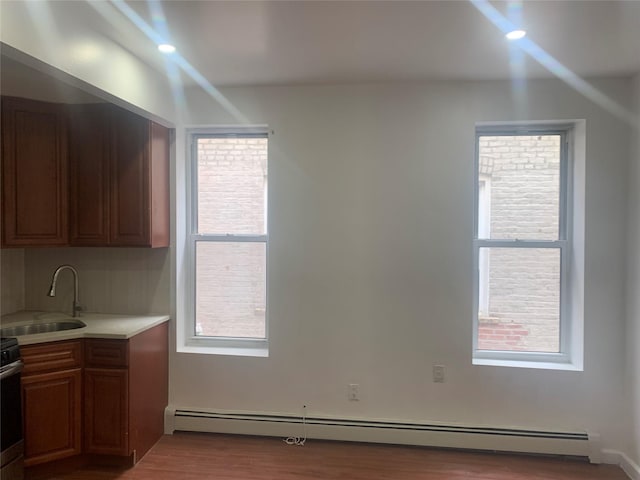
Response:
column 207, row 347
column 169, row 417
column 595, row 443
column 383, row 431
column 615, row 457
column 496, row 362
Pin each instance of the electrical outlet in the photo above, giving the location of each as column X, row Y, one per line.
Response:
column 354, row 392
column 438, row 373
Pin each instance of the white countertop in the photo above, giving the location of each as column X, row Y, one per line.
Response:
column 99, row 325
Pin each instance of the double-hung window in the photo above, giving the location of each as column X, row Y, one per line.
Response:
column 227, row 240
column 523, row 246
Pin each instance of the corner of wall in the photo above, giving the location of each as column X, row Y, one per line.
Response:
column 614, row 457
column 633, row 284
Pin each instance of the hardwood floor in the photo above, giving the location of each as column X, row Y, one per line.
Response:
column 191, row 456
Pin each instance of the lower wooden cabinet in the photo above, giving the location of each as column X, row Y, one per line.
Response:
column 53, row 426
column 126, row 392
column 95, row 396
column 106, row 428
column 52, row 401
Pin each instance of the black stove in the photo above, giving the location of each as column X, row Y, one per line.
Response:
column 11, row 437
column 9, row 350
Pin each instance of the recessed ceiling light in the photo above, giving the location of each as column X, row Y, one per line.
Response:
column 166, row 48
column 515, row 34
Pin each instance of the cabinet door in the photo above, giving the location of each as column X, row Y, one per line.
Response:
column 130, row 180
column 139, row 182
column 34, row 173
column 89, row 157
column 106, row 419
column 52, row 404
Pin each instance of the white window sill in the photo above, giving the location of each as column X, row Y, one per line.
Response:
column 527, row 364
column 216, row 346
column 231, row 351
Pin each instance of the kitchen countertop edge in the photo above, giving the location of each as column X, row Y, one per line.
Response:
column 98, row 326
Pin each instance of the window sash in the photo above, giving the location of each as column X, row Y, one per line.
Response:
column 223, row 344
column 228, row 340
column 563, row 243
column 564, row 214
column 193, row 171
column 565, row 313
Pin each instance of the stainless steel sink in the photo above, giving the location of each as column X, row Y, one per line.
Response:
column 48, row 327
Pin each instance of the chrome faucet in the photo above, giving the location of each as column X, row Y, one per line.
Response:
column 52, row 290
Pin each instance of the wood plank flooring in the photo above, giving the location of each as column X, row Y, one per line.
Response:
column 196, row 456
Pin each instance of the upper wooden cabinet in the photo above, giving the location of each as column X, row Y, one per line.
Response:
column 89, row 155
column 34, row 173
column 83, row 175
column 119, row 178
column 139, row 182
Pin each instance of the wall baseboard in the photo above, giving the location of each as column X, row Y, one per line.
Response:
column 575, row 444
column 615, row 457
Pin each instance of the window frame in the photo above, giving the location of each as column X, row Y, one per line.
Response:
column 484, row 213
column 241, row 346
column 567, row 357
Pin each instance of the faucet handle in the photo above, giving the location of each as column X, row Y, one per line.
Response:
column 77, row 308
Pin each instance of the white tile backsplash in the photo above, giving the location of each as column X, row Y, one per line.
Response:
column 111, row 280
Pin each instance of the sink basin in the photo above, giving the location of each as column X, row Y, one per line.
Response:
column 48, row 327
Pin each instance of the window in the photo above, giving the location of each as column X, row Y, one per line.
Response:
column 523, row 247
column 227, row 240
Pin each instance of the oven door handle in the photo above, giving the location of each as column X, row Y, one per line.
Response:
column 11, row 369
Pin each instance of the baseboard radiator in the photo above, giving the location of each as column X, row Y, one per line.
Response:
column 575, row 444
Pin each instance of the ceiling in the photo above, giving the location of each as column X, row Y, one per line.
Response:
column 339, row 41
column 298, row 42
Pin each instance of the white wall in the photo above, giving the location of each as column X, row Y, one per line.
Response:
column 370, row 260
column 633, row 286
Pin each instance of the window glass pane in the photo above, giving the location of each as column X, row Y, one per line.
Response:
column 523, row 173
column 232, row 183
column 523, row 311
column 231, row 289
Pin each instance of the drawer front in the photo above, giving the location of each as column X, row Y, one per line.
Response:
column 47, row 357
column 106, row 353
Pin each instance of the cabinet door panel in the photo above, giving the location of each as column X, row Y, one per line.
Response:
column 106, row 418
column 34, row 170
column 130, row 180
column 89, row 152
column 52, row 404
